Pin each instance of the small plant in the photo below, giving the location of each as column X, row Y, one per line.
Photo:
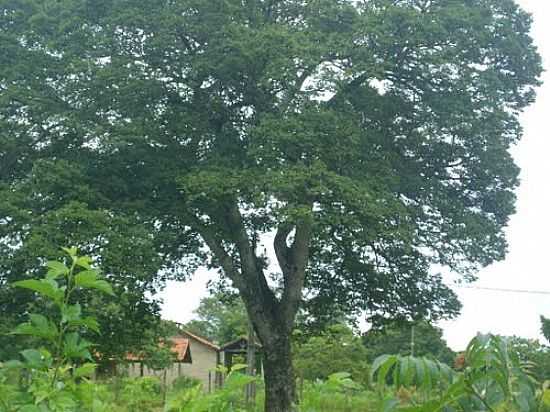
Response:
column 47, row 376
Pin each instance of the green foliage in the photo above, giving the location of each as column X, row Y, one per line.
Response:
column 158, row 357
column 227, row 399
column 49, row 375
column 534, row 354
column 122, row 248
column 337, row 393
column 140, row 394
column 494, row 380
column 377, row 131
column 338, row 349
column 220, row 318
column 182, row 383
column 397, row 337
column 170, row 122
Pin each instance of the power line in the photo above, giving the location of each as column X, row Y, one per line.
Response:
column 530, row 292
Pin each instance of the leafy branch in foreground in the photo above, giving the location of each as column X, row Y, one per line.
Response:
column 494, row 379
column 50, row 372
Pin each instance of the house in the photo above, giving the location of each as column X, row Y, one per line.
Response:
column 206, row 358
column 195, row 357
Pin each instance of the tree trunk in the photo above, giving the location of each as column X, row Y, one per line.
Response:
column 280, row 383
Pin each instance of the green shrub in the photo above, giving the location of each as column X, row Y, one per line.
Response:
column 339, row 393
column 185, row 382
column 229, row 398
column 141, row 394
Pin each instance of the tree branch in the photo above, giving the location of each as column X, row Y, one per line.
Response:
column 246, row 251
column 282, row 251
column 216, row 247
column 294, row 281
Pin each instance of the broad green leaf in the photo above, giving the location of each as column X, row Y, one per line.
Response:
column 379, row 361
column 84, row 262
column 420, row 373
column 43, row 287
column 71, row 313
column 238, row 367
column 12, row 364
column 33, row 358
column 429, row 369
column 75, row 347
column 90, row 279
column 382, row 366
column 38, row 326
column 56, row 269
column 103, row 286
column 86, row 277
column 340, row 375
column 85, row 370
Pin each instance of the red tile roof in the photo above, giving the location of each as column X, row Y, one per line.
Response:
column 179, row 346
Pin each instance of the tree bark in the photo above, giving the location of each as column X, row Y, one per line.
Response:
column 280, row 383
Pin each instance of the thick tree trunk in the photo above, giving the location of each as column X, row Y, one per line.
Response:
column 272, row 317
column 280, row 382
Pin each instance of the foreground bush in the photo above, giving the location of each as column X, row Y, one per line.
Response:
column 53, row 375
column 493, row 379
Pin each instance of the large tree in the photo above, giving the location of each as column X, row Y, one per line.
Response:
column 367, row 139
column 419, row 338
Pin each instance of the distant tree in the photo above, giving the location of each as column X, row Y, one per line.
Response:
column 545, row 328
column 535, row 353
column 338, row 349
column 395, row 338
column 220, row 318
column 367, row 139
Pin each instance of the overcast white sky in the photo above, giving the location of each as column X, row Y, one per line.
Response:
column 527, row 264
